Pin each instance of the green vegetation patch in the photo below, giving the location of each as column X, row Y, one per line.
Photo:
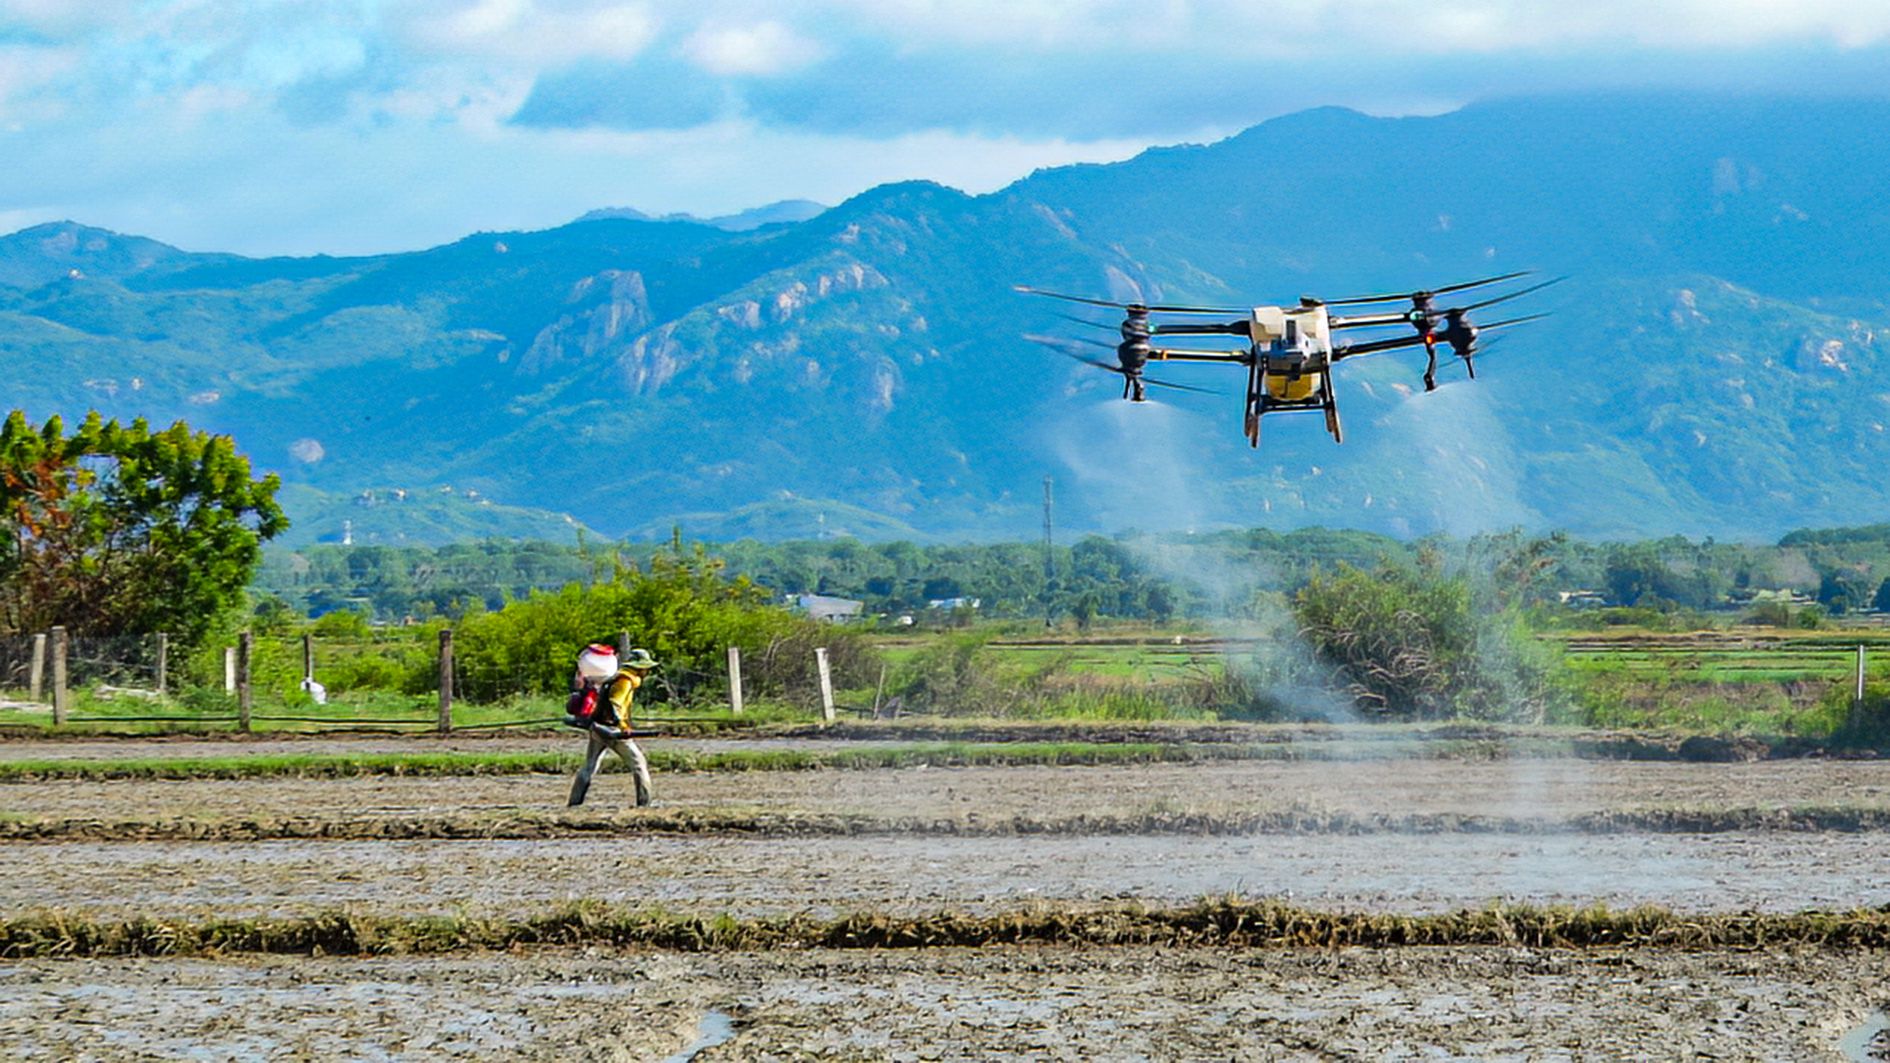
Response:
column 1224, row 923
column 341, row 765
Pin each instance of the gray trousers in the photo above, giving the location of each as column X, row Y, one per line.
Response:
column 626, row 751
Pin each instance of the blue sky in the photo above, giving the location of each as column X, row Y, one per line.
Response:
column 304, row 126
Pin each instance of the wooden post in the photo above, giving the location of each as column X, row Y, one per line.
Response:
column 245, row 643
column 229, row 669
column 879, row 690
column 1857, row 698
column 446, row 680
column 735, row 680
column 163, row 662
column 623, row 644
column 38, row 677
column 59, row 675
column 826, row 684
column 308, row 657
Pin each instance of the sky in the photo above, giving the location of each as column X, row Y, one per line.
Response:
column 356, row 126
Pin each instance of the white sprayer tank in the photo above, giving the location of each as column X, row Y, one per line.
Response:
column 595, row 664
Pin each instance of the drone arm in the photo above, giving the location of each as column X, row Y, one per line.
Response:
column 1169, row 354
column 1369, row 321
column 1232, row 328
column 1376, row 347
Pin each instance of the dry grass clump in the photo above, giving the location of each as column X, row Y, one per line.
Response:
column 1226, row 923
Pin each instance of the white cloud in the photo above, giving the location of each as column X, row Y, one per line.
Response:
column 170, row 117
column 25, row 72
column 529, row 32
column 759, row 49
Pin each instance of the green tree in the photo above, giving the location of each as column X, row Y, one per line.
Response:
column 117, row 529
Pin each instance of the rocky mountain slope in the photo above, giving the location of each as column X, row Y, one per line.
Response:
column 1714, row 364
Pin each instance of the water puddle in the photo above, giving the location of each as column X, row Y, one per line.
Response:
column 1861, row 1045
column 713, row 1030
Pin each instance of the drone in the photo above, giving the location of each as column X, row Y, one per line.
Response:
column 1289, row 351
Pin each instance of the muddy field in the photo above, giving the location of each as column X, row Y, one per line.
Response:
column 1056, row 1003
column 922, row 840
column 1762, row 871
column 1545, row 789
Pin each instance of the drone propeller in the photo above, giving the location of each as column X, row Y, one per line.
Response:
column 1104, row 325
column 1462, row 336
column 1360, row 300
column 1066, row 347
column 1062, row 344
column 1143, row 308
column 1417, row 316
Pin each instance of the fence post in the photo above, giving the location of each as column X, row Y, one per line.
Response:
column 59, row 675
column 229, row 669
column 879, row 690
column 163, row 662
column 244, row 647
column 826, row 683
column 308, row 658
column 38, row 678
column 735, row 680
column 623, row 644
column 1857, row 698
column 446, row 680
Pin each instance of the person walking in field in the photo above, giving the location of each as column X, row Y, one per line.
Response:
column 600, row 703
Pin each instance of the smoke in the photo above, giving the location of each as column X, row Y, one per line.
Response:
column 1453, row 450
column 1138, row 465
column 1132, row 466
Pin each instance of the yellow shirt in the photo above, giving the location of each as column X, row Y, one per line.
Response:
column 618, row 696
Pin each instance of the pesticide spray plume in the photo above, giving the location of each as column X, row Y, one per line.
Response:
column 1158, row 491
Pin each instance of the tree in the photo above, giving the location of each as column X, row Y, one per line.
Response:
column 118, row 530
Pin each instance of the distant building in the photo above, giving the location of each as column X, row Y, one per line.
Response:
column 832, row 610
column 949, row 604
column 1580, row 599
column 1759, row 596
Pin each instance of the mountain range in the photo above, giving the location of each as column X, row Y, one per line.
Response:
column 1711, row 366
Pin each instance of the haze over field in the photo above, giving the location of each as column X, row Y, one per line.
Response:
column 1712, row 185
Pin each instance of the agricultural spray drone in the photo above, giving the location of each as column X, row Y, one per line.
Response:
column 1289, row 350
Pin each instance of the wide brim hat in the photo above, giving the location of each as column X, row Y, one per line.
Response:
column 639, row 658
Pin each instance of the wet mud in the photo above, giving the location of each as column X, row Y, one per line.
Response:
column 1029, row 1002
column 1537, row 789
column 1041, row 1002
column 1771, row 871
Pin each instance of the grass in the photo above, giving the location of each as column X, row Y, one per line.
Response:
column 530, row 825
column 216, row 712
column 1226, row 923
column 341, row 765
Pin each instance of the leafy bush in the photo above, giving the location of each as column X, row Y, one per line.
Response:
column 681, row 609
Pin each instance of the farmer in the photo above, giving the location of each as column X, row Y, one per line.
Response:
column 609, row 721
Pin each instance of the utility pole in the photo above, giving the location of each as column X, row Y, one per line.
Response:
column 1049, row 557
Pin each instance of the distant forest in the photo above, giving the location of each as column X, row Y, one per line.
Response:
column 1142, row 577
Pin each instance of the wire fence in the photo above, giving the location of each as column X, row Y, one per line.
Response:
column 381, row 679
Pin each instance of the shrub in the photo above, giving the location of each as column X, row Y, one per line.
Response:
column 682, row 610
column 1413, row 642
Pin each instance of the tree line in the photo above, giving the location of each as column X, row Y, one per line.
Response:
column 1133, row 576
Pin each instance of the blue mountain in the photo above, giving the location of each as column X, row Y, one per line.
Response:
column 1713, row 366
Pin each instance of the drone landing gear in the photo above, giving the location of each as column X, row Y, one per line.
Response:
column 1256, row 401
column 1430, row 366
column 1330, row 403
